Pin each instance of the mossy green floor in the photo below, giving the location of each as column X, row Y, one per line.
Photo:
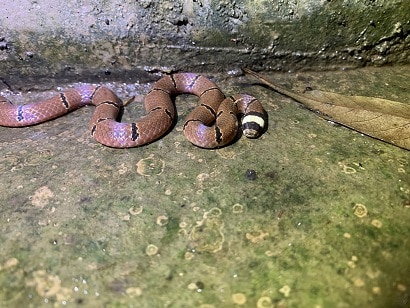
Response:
column 310, row 215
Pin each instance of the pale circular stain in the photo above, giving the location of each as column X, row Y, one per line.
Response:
column 358, row 282
column 162, row 220
column 237, row 208
column 360, row 210
column 377, row 223
column 151, row 250
column 9, row 263
column 42, row 197
column 133, row 291
column 192, row 286
column 214, row 212
column 348, row 170
column 183, row 224
column 135, row 210
column 264, row 302
column 150, row 166
column 239, row 298
column 269, row 253
column 401, row 287
column 377, row 290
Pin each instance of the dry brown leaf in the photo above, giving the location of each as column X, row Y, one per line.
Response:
column 379, row 118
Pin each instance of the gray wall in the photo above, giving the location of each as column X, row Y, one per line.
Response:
column 114, row 39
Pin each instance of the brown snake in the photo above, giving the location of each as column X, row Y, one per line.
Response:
column 213, row 124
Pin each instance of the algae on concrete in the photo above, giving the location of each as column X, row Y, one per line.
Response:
column 310, row 214
column 322, row 221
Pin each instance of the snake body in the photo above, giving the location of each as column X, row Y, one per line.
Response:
column 214, row 123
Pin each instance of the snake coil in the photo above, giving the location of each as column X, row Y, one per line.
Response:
column 213, row 124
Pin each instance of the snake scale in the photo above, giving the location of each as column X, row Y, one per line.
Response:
column 212, row 124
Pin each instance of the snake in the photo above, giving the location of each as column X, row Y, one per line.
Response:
column 214, row 123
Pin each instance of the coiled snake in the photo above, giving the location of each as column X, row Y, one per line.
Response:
column 213, row 124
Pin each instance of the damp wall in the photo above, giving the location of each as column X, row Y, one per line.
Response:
column 43, row 40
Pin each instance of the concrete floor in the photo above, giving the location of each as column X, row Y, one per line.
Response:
column 324, row 223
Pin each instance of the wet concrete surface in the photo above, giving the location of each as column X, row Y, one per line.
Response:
column 311, row 214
